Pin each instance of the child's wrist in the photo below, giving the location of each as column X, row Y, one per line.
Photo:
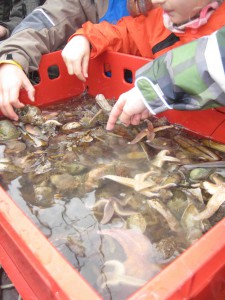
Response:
column 11, row 62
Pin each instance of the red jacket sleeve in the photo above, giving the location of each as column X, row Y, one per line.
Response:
column 108, row 37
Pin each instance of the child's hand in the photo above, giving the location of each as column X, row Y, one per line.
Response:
column 130, row 108
column 76, row 56
column 12, row 80
column 3, row 32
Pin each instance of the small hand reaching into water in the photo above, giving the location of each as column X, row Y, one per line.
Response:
column 12, row 80
column 129, row 108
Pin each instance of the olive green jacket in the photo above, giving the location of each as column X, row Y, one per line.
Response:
column 190, row 77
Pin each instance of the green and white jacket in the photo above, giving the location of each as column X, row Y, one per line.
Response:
column 190, row 77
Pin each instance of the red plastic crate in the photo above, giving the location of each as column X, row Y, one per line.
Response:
column 36, row 267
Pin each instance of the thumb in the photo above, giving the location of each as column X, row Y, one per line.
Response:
column 29, row 88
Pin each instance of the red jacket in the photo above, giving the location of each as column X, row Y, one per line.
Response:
column 144, row 35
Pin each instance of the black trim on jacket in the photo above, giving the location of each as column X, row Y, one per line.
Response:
column 167, row 42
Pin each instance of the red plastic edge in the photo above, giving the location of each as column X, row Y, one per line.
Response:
column 191, row 272
column 205, row 122
column 33, row 264
column 35, row 267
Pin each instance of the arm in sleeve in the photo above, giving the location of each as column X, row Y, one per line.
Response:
column 45, row 30
column 5, row 8
column 190, row 77
column 109, row 37
column 17, row 14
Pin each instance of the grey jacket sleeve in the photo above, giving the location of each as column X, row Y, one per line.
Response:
column 20, row 9
column 5, row 8
column 16, row 16
column 46, row 29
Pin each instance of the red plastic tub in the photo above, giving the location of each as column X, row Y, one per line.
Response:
column 38, row 270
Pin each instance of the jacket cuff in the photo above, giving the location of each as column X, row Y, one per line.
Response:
column 19, row 59
column 152, row 94
column 11, row 62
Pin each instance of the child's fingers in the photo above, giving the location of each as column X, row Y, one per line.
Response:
column 28, row 87
column 125, row 118
column 8, row 100
column 145, row 114
column 69, row 66
column 75, row 68
column 115, row 113
column 135, row 120
column 112, row 120
column 85, row 63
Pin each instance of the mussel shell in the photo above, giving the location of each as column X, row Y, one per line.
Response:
column 71, row 126
column 160, row 143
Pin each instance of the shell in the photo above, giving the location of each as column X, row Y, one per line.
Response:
column 43, row 196
column 70, row 126
column 166, row 248
column 160, row 143
column 199, row 174
column 15, row 147
column 30, row 115
column 64, row 182
column 8, row 130
column 137, row 221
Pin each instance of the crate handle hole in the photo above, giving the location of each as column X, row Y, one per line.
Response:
column 107, row 70
column 34, row 77
column 53, row 72
column 128, row 75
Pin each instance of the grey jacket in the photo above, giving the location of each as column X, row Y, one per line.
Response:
column 13, row 12
column 5, row 8
column 20, row 9
column 48, row 28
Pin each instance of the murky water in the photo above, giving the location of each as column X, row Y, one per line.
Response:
column 119, row 212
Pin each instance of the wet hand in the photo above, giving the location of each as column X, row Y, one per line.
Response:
column 12, row 79
column 129, row 108
column 76, row 56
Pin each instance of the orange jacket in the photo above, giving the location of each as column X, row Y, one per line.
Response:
column 144, row 35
